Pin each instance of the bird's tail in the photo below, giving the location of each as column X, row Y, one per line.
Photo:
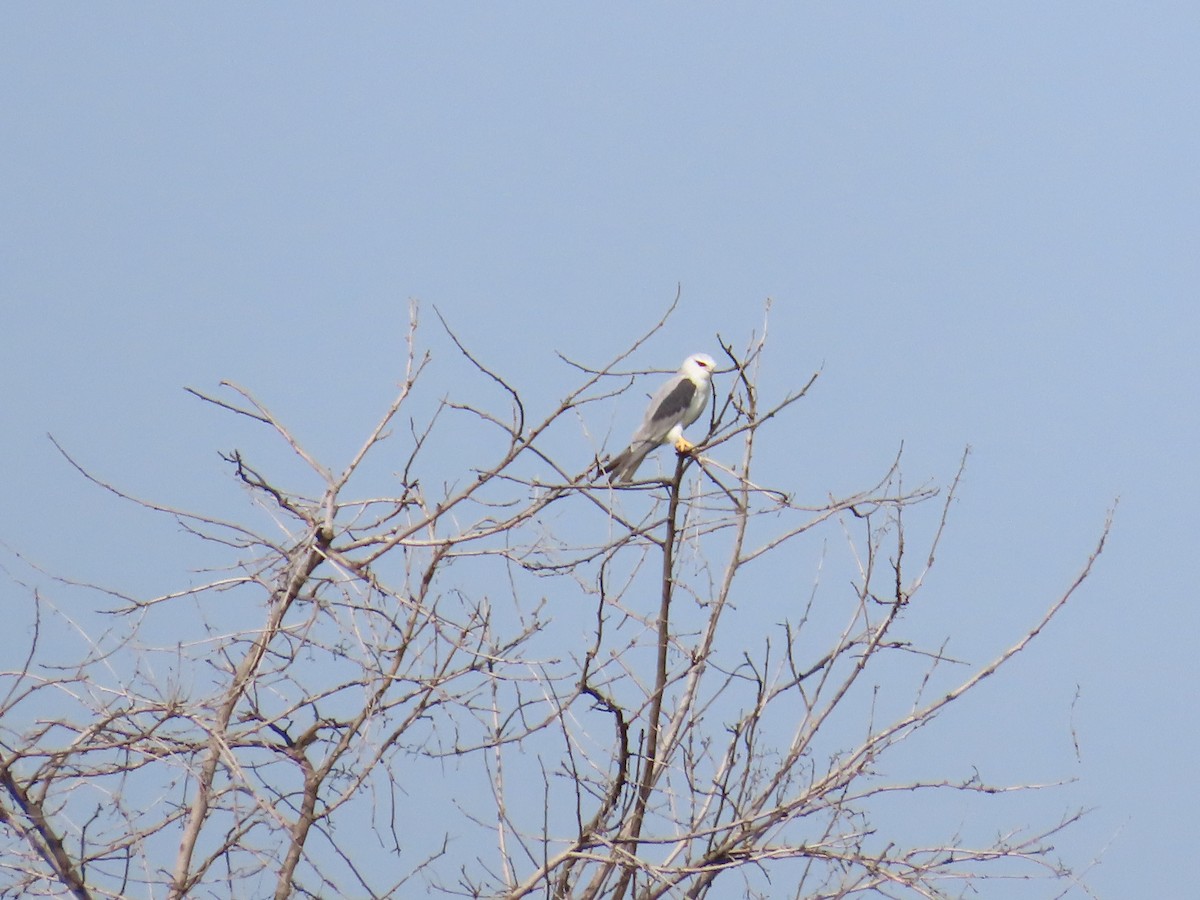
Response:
column 624, row 465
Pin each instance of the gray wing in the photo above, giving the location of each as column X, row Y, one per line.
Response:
column 666, row 410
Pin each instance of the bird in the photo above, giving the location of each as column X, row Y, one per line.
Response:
column 677, row 404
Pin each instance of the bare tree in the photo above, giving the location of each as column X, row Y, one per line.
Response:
column 497, row 675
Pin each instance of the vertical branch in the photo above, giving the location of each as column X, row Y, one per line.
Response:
column 284, row 885
column 183, row 879
column 497, row 780
column 650, row 767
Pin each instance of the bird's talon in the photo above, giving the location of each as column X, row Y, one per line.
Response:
column 683, row 445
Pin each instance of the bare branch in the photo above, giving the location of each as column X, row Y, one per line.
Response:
column 467, row 672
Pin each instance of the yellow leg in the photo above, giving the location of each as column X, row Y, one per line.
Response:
column 683, row 445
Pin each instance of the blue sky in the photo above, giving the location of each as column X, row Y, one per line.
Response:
column 980, row 221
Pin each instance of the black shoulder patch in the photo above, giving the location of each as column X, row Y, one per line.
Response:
column 675, row 404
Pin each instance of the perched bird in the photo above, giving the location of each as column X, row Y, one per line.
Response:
column 677, row 404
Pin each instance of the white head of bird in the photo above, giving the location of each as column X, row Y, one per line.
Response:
column 698, row 366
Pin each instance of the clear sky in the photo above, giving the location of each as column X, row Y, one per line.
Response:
column 981, row 220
